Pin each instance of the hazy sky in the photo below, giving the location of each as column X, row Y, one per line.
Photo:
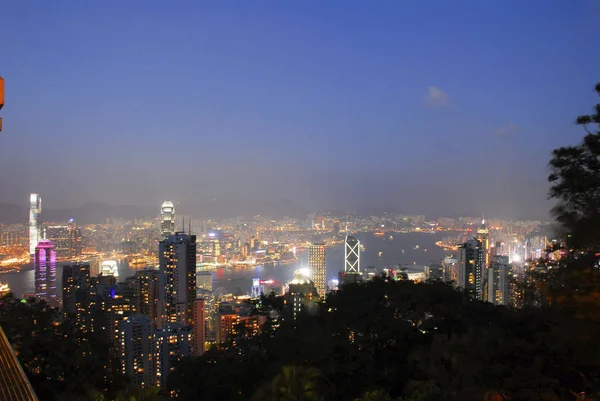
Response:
column 423, row 106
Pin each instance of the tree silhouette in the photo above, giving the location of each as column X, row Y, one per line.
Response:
column 575, row 179
column 294, row 383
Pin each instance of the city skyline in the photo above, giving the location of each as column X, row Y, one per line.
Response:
column 273, row 77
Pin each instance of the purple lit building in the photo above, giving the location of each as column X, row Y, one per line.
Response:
column 45, row 272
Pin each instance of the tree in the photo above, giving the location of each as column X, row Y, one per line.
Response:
column 575, row 179
column 294, row 383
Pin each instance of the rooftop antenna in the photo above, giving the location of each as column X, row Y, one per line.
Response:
column 189, row 225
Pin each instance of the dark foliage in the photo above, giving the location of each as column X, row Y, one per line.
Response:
column 575, row 179
column 405, row 340
column 59, row 362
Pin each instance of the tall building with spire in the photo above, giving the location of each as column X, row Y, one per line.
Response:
column 318, row 267
column 167, row 219
column 35, row 223
column 45, row 272
column 483, row 236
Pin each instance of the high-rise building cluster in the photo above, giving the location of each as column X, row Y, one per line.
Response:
column 482, row 272
column 152, row 320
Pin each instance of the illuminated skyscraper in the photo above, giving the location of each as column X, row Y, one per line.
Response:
column 300, row 293
column 470, row 268
column 352, row 255
column 145, row 288
column 76, row 293
column 45, row 272
column 61, row 238
column 35, row 224
column 483, row 236
column 198, row 330
column 134, row 349
column 177, row 278
column 318, row 267
column 498, row 280
column 167, row 219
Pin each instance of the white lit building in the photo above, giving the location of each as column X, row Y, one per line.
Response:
column 35, row 224
column 167, row 219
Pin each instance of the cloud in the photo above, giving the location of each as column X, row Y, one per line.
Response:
column 436, row 97
column 511, row 128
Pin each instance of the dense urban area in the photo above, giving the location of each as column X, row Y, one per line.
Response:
column 319, row 306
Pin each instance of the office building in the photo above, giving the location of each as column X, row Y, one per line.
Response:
column 434, row 272
column 450, row 265
column 76, row 281
column 483, row 236
column 231, row 317
column 301, row 294
column 66, row 239
column 499, row 281
column 145, row 285
column 177, row 279
column 60, row 237
column 351, row 255
column 134, row 347
column 318, row 267
column 109, row 268
column 171, row 344
column 35, row 223
column 470, row 268
column 167, row 219
column 199, row 328
column 45, row 272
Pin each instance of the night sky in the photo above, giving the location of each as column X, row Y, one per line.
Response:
column 437, row 107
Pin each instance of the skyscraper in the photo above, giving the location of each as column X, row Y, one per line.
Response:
column 198, row 330
column 483, row 236
column 35, row 224
column 177, row 289
column 498, row 281
column 76, row 294
column 167, row 219
column 134, row 348
column 45, row 272
column 145, row 288
column 470, row 268
column 352, row 255
column 318, row 267
column 61, row 238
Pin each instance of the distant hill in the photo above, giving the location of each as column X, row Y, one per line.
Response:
column 12, row 214
column 91, row 213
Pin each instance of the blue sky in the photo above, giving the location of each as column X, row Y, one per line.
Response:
column 435, row 106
